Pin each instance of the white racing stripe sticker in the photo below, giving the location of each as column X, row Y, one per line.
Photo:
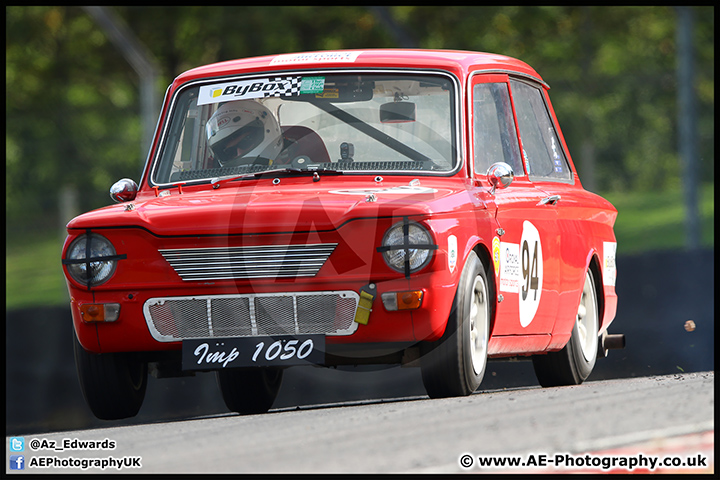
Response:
column 316, row 57
column 401, row 190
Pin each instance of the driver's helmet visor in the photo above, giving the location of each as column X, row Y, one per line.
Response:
column 237, row 143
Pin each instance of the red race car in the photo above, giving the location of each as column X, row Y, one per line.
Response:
column 344, row 208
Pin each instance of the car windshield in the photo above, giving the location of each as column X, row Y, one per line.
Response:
column 353, row 123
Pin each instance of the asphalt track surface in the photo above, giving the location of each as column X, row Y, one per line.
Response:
column 653, row 416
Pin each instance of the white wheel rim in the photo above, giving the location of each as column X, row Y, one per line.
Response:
column 587, row 321
column 479, row 325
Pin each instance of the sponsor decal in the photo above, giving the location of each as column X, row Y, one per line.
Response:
column 316, row 57
column 509, row 267
column 452, row 252
column 609, row 266
column 329, row 93
column 259, row 88
column 496, row 255
column 554, row 147
column 312, row 85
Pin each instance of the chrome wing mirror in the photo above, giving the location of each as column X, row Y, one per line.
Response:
column 500, row 175
column 124, row 190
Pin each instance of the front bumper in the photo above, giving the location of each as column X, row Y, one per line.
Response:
column 158, row 319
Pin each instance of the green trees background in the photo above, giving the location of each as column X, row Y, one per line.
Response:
column 73, row 102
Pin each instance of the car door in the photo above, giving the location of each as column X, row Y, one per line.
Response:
column 550, row 172
column 527, row 247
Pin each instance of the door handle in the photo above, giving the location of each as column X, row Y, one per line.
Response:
column 551, row 200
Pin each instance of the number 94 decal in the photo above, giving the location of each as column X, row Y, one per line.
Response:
column 532, row 273
column 521, row 271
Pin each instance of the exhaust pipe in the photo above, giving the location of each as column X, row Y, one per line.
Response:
column 613, row 341
column 610, row 341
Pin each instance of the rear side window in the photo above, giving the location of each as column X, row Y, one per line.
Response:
column 495, row 135
column 542, row 151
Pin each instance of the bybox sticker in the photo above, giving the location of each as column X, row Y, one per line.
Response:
column 246, row 89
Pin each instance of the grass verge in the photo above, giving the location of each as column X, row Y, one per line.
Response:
column 656, row 220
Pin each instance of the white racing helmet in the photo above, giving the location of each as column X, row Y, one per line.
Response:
column 241, row 132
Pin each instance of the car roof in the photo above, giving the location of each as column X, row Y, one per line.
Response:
column 459, row 62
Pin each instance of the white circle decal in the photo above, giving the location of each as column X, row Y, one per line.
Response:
column 531, row 268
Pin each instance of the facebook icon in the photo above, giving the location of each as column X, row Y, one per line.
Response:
column 17, row 462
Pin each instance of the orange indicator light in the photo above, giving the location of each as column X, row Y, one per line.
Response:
column 409, row 300
column 402, row 300
column 100, row 312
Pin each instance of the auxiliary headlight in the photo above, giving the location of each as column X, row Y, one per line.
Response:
column 91, row 259
column 397, row 247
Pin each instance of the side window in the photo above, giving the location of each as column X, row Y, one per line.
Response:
column 494, row 129
column 542, row 151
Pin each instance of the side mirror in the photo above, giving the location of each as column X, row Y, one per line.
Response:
column 500, row 175
column 124, row 190
column 397, row 112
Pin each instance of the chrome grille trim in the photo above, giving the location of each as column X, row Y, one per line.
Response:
column 171, row 319
column 263, row 261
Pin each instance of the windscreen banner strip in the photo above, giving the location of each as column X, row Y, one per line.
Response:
column 259, row 88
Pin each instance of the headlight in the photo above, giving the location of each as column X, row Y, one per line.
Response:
column 95, row 248
column 397, row 249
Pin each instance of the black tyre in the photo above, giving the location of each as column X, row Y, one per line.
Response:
column 454, row 365
column 249, row 391
column 574, row 363
column 113, row 384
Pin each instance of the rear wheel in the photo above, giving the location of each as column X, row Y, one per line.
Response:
column 113, row 384
column 455, row 364
column 574, row 363
column 249, row 391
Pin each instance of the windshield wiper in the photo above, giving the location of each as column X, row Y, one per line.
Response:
column 217, row 181
column 311, row 169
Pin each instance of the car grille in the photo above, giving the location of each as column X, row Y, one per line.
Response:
column 264, row 261
column 176, row 318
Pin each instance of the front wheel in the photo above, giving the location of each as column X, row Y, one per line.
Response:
column 454, row 365
column 574, row 363
column 113, row 384
column 249, row 391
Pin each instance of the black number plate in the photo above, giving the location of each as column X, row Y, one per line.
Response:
column 219, row 353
